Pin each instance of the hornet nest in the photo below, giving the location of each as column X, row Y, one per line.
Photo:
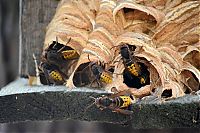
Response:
column 129, row 46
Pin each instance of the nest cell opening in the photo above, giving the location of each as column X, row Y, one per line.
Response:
column 111, row 70
column 90, row 75
column 134, row 14
column 58, row 46
column 192, row 83
column 82, row 75
column 137, row 81
column 167, row 93
column 193, row 58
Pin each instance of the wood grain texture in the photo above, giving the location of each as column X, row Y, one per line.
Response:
column 34, row 17
column 62, row 105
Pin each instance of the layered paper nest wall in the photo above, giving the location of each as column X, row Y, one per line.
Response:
column 165, row 33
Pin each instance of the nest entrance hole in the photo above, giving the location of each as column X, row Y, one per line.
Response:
column 57, row 46
column 82, row 76
column 192, row 83
column 167, row 93
column 193, row 58
column 134, row 14
column 85, row 77
column 135, row 81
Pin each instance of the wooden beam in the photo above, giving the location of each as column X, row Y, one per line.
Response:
column 19, row 102
column 34, row 17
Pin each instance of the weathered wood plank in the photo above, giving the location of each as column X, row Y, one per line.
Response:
column 34, row 17
column 56, row 103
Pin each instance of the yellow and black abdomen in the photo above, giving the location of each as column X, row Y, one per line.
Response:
column 122, row 101
column 136, row 75
column 106, row 77
column 55, row 75
column 50, row 74
column 70, row 54
column 126, row 101
column 134, row 69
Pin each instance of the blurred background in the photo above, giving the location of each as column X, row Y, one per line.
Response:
column 9, row 51
column 9, row 21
